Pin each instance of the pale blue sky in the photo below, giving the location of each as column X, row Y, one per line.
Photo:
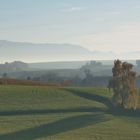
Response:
column 94, row 24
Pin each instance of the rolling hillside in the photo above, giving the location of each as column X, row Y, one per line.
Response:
column 63, row 113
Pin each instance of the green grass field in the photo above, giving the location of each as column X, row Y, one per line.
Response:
column 48, row 113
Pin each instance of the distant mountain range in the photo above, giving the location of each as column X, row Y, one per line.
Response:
column 30, row 52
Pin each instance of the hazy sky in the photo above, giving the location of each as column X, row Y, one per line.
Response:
column 109, row 25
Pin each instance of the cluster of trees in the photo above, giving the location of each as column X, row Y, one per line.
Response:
column 87, row 79
column 92, row 65
column 123, row 85
column 90, row 80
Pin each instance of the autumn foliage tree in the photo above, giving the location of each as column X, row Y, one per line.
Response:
column 123, row 85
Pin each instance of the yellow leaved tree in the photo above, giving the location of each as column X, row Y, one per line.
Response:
column 123, row 85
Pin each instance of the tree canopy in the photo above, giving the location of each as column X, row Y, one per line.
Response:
column 123, row 85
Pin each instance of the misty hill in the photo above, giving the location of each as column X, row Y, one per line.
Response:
column 57, row 65
column 11, row 51
column 15, row 66
column 70, row 64
column 31, row 52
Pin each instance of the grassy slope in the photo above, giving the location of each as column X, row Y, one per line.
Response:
column 28, row 113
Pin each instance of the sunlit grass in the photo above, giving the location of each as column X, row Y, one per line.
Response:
column 45, row 113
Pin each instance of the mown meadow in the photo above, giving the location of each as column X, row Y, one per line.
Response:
column 63, row 113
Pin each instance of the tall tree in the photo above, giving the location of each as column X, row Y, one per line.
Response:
column 123, row 85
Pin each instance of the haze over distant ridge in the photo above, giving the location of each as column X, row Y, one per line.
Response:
column 32, row 52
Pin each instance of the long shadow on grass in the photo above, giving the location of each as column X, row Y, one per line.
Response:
column 104, row 100
column 48, row 111
column 93, row 97
column 124, row 112
column 50, row 129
